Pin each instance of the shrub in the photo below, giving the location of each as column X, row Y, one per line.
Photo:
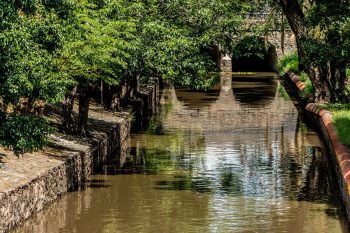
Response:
column 23, row 133
column 309, row 89
column 289, row 62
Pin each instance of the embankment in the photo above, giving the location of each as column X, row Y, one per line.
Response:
column 321, row 120
column 29, row 183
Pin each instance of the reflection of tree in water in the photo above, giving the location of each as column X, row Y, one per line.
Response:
column 152, row 154
column 316, row 186
column 185, row 182
column 156, row 123
column 273, row 167
column 230, row 181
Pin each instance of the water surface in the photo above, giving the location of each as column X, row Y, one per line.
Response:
column 234, row 159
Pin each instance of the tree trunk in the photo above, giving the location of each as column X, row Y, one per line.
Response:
column 296, row 18
column 132, row 84
column 337, row 78
column 328, row 80
column 115, row 103
column 112, row 97
column 68, row 104
column 101, row 92
column 84, row 100
column 322, row 87
column 282, row 34
column 107, row 100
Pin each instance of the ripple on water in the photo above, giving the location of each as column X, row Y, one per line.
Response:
column 235, row 159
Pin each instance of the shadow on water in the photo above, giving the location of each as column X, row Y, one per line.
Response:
column 244, row 164
column 142, row 161
column 316, row 185
column 187, row 183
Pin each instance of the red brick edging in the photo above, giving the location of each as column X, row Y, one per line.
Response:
column 296, row 80
column 341, row 151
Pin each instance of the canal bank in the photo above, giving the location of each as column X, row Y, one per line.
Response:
column 30, row 183
column 321, row 120
column 236, row 158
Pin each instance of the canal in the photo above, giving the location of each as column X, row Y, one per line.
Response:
column 236, row 158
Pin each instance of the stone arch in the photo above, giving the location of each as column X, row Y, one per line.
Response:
column 255, row 54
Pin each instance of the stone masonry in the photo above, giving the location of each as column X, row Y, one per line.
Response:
column 29, row 183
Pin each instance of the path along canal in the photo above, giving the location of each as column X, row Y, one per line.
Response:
column 234, row 159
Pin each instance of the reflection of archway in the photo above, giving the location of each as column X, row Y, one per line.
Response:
column 229, row 94
column 198, row 99
column 223, row 107
column 262, row 93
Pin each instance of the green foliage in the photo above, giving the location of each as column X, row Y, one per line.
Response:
column 26, row 70
column 30, row 39
column 289, row 62
column 309, row 89
column 49, row 45
column 250, row 46
column 328, row 35
column 23, row 133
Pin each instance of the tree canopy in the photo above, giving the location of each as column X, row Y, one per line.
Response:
column 53, row 51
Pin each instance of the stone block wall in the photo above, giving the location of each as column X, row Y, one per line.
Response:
column 48, row 179
column 275, row 38
column 30, row 183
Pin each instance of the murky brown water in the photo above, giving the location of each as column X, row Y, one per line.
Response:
column 234, row 159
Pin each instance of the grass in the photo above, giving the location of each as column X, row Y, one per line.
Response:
column 308, row 88
column 290, row 62
column 342, row 123
column 341, row 120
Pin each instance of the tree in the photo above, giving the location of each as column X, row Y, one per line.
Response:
column 29, row 77
column 322, row 38
column 96, row 50
column 56, row 50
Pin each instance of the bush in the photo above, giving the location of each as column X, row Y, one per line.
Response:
column 309, row 89
column 289, row 62
column 23, row 133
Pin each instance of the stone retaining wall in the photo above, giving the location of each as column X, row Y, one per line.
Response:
column 29, row 183
column 275, row 38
